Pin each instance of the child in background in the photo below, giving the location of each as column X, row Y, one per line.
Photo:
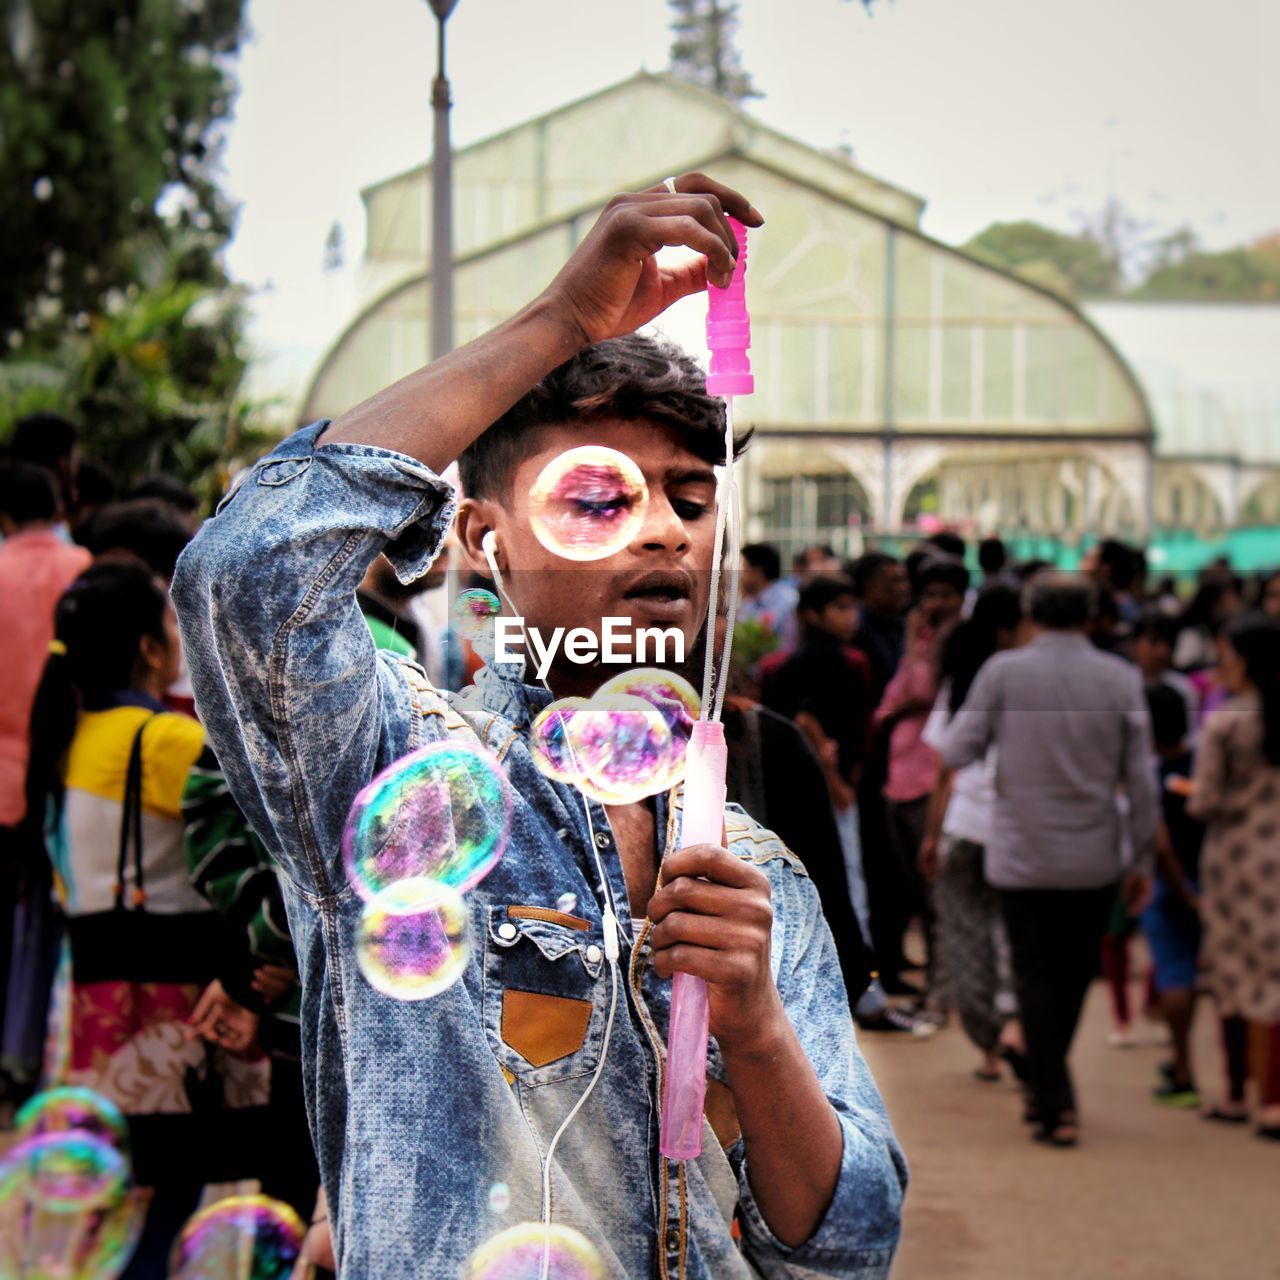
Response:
column 1171, row 923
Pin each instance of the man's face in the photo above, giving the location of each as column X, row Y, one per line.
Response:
column 1152, row 654
column 889, row 591
column 940, row 602
column 839, row 619
column 752, row 581
column 661, row 578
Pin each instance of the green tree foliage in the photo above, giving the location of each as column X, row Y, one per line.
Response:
column 1182, row 270
column 702, row 48
column 1075, row 265
column 114, row 305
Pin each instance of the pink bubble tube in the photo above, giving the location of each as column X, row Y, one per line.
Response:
column 685, row 1087
column 729, row 328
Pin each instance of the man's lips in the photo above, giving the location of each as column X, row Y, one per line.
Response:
column 664, row 595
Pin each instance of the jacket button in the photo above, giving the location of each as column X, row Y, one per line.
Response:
column 594, row 953
column 507, row 931
column 602, row 840
column 673, row 1239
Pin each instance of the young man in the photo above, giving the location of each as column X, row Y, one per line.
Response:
column 419, row 1108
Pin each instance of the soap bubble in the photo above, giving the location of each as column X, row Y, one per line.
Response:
column 475, row 609
column 443, row 811
column 567, row 902
column 412, row 941
column 549, row 740
column 673, row 697
column 499, row 1198
column 624, row 746
column 588, row 503
column 516, row 1254
column 72, row 1108
column 240, row 1238
column 91, row 1245
column 71, row 1173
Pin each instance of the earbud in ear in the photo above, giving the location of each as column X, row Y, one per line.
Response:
column 489, row 545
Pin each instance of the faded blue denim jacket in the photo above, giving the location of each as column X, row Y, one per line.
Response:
column 418, row 1109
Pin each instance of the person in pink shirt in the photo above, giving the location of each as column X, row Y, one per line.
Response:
column 36, row 567
column 904, row 711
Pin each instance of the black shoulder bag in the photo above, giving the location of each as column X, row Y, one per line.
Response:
column 123, row 945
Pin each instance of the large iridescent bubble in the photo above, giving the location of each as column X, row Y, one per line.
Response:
column 96, row 1244
column 443, row 812
column 73, row 1108
column 625, row 748
column 72, row 1173
column 412, row 941
column 517, row 1254
column 240, row 1238
column 673, row 697
column 588, row 503
column 475, row 610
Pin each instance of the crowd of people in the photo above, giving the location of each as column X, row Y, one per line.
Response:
column 1028, row 765
column 1033, row 766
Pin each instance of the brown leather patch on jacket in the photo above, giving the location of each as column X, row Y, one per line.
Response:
column 542, row 1028
column 550, row 917
column 721, row 1114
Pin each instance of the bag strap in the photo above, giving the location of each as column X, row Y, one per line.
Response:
column 131, row 824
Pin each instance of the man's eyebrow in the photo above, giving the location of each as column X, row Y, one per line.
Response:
column 691, row 475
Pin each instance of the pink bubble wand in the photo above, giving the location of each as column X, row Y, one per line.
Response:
column 685, row 1084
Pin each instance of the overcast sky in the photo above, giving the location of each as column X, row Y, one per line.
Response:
column 991, row 109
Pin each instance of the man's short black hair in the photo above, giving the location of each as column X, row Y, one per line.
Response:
column 167, row 489
column 821, row 590
column 992, row 556
column 47, row 439
column 945, row 569
column 145, row 527
column 632, row 378
column 1062, row 601
column 760, row 555
column 1155, row 624
column 28, row 494
column 944, row 540
column 1121, row 560
column 862, row 571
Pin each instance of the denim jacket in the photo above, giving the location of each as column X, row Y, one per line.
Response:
column 418, row 1109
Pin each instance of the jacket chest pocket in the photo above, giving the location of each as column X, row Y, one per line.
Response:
column 543, row 995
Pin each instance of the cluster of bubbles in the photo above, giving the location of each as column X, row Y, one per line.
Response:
column 68, row 1209
column 419, row 836
column 517, row 1254
column 588, row 503
column 239, row 1238
column 627, row 741
column 474, row 610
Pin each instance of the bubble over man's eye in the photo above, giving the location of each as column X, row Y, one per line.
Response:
column 443, row 811
column 412, row 941
column 588, row 503
column 516, row 1254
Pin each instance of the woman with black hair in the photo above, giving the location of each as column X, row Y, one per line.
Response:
column 143, row 944
column 978, row 985
column 1236, row 790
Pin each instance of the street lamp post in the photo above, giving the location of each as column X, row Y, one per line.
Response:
column 441, row 197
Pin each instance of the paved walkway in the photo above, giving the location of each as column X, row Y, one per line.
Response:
column 1150, row 1194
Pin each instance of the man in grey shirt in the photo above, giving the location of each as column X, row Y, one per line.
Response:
column 1073, row 747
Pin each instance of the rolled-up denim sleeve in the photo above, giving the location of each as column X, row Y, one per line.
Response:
column 299, row 706
column 859, row 1233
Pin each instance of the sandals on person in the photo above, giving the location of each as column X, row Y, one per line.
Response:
column 1017, row 1062
column 1224, row 1117
column 1062, row 1133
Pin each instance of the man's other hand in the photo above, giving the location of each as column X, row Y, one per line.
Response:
column 614, row 284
